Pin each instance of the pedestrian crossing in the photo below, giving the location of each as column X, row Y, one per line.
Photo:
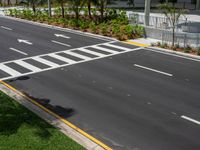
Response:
column 67, row 57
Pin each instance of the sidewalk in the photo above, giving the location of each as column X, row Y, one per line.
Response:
column 193, row 16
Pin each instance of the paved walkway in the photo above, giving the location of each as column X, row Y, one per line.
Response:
column 191, row 16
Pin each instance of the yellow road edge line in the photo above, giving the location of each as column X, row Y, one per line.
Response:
column 136, row 43
column 58, row 117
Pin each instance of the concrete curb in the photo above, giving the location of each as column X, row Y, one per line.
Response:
column 63, row 29
column 197, row 58
column 51, row 119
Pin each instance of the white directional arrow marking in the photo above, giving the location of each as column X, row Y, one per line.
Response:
column 61, row 35
column 24, row 41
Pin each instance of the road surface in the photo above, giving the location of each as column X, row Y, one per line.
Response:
column 128, row 97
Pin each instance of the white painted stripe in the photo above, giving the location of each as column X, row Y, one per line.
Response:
column 78, row 55
column 6, row 28
column 118, row 47
column 61, row 43
column 46, row 62
column 154, row 70
column 62, row 58
column 79, row 62
column 190, row 119
column 27, row 65
column 105, row 49
column 91, row 52
column 9, row 70
column 13, row 49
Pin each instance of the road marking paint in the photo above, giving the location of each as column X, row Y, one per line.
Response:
column 61, row 35
column 118, row 47
column 9, row 70
column 136, row 43
column 46, row 62
column 154, row 70
column 27, row 65
column 55, row 66
column 78, row 55
column 24, row 41
column 190, row 119
column 13, row 49
column 61, row 43
column 65, row 121
column 91, row 52
column 105, row 49
column 62, row 58
column 6, row 28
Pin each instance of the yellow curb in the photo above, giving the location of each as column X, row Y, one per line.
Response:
column 59, row 117
column 136, row 43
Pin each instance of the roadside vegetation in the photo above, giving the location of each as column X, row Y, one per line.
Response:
column 21, row 129
column 178, row 47
column 87, row 15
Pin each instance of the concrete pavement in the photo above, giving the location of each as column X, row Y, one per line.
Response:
column 127, row 96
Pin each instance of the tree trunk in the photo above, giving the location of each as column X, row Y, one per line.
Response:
column 102, row 11
column 89, row 9
column 62, row 10
column 8, row 2
column 33, row 7
column 173, row 36
column 77, row 15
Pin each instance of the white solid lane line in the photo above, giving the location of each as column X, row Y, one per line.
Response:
column 190, row 119
column 13, row 49
column 6, row 28
column 154, row 70
column 9, row 70
column 61, row 43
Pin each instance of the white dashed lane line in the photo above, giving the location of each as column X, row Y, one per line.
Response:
column 18, row 51
column 190, row 119
column 6, row 28
column 154, row 70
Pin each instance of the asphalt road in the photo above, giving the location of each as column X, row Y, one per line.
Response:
column 128, row 97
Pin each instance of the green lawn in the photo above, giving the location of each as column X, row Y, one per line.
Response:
column 20, row 129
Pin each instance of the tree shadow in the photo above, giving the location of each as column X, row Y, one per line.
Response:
column 61, row 111
column 13, row 116
column 20, row 78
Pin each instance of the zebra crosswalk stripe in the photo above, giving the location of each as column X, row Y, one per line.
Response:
column 78, row 55
column 46, row 62
column 9, row 70
column 62, row 58
column 105, row 49
column 118, row 47
column 91, row 52
column 27, row 65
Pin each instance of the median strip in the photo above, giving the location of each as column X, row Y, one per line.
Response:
column 154, row 70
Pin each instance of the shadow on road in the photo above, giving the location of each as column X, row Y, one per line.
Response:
column 61, row 111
